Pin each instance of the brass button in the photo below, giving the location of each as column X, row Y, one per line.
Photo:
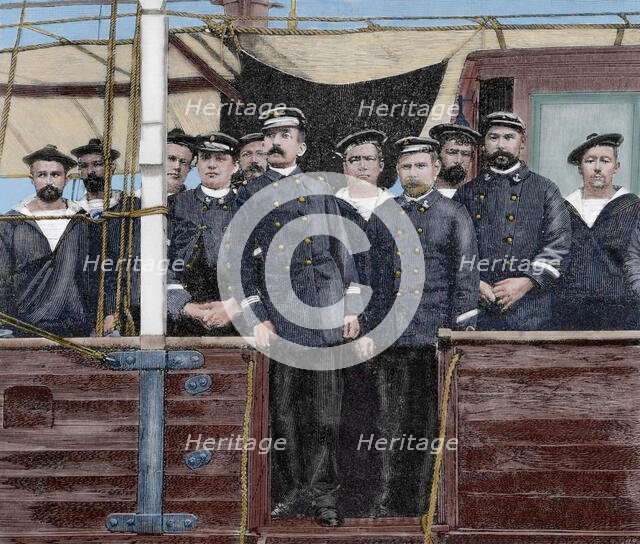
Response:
column 196, row 246
column 398, row 273
column 205, row 208
column 225, row 228
column 244, row 182
column 416, row 271
column 422, row 209
column 225, row 207
column 398, row 293
column 305, row 218
column 276, row 204
column 508, row 240
column 514, row 197
column 276, row 184
column 203, row 227
column 402, row 212
column 277, row 224
column 416, row 292
column 308, row 262
column 307, row 241
column 398, row 253
column 320, row 178
column 416, row 250
column 281, row 247
column 302, row 199
column 399, row 232
column 420, row 230
column 511, row 217
column 477, row 216
column 482, row 197
column 298, row 181
column 188, row 266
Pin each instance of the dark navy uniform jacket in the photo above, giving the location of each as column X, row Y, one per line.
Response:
column 320, row 269
column 450, row 292
column 523, row 229
column 595, row 293
column 49, row 289
column 199, row 224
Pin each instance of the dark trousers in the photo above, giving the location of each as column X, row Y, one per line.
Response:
column 305, row 404
column 407, row 383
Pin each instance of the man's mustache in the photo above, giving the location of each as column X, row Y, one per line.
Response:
column 275, row 150
column 49, row 193
column 255, row 167
column 94, row 183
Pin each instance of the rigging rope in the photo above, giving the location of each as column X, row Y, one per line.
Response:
column 427, row 519
column 4, row 121
column 244, row 466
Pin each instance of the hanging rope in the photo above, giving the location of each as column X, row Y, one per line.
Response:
column 244, row 468
column 106, row 157
column 4, row 121
column 131, row 158
column 65, row 343
column 427, row 519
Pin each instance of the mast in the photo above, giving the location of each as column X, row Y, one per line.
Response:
column 153, row 150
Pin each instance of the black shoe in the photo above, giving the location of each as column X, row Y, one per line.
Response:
column 380, row 510
column 328, row 516
column 289, row 506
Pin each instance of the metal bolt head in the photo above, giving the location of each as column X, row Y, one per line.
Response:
column 113, row 522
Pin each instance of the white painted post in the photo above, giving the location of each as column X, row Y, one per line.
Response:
column 154, row 51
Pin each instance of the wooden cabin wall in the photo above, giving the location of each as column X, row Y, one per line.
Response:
column 69, row 441
column 548, row 447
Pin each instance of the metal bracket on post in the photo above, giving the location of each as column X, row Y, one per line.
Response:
column 152, row 365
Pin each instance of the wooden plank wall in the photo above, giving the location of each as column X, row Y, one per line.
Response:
column 549, row 441
column 65, row 469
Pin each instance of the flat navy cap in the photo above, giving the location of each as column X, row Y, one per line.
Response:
column 250, row 138
column 444, row 130
column 503, row 119
column 49, row 153
column 177, row 136
column 283, row 117
column 416, row 144
column 370, row 136
column 217, row 142
column 612, row 139
column 94, row 145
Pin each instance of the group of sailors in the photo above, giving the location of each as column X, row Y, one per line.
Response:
column 504, row 251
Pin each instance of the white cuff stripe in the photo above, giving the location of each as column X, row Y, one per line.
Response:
column 467, row 315
column 354, row 290
column 547, row 267
column 249, row 300
column 174, row 286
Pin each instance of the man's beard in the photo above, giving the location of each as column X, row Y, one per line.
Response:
column 49, row 193
column 453, row 174
column 253, row 171
column 415, row 187
column 501, row 160
column 93, row 183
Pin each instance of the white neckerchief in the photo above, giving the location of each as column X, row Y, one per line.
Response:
column 590, row 208
column 364, row 205
column 53, row 229
column 97, row 203
column 421, row 197
column 508, row 171
column 284, row 171
column 215, row 193
column 447, row 191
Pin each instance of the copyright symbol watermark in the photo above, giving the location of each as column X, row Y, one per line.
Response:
column 300, row 271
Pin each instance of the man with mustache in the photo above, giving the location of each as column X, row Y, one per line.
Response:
column 91, row 167
column 42, row 280
column 407, row 371
column 320, row 273
column 523, row 229
column 596, row 293
column 252, row 159
column 457, row 144
column 200, row 217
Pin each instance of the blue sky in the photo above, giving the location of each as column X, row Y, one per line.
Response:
column 12, row 191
